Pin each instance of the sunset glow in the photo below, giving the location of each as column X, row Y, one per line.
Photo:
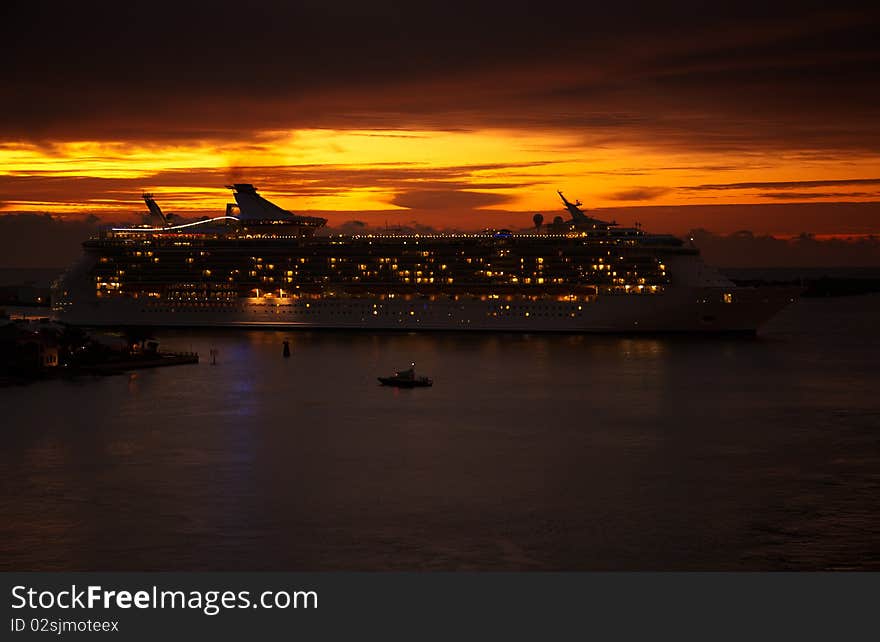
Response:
column 381, row 171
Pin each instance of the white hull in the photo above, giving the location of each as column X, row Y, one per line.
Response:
column 678, row 309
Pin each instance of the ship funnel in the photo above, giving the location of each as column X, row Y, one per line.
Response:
column 253, row 207
column 156, row 215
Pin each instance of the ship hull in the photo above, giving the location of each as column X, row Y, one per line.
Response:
column 683, row 309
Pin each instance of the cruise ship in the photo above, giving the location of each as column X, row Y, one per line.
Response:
column 259, row 265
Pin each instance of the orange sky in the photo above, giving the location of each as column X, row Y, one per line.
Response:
column 461, row 179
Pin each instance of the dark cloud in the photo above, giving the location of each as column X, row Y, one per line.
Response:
column 638, row 194
column 805, row 196
column 765, row 218
column 785, row 184
column 448, row 200
column 350, row 227
column 41, row 240
column 746, row 249
column 737, row 77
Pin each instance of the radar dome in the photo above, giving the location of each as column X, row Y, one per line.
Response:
column 538, row 219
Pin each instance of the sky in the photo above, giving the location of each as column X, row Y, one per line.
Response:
column 748, row 116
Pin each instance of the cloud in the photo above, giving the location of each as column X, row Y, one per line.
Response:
column 805, row 196
column 638, row 194
column 747, row 249
column 442, row 199
column 785, row 184
column 742, row 77
column 42, row 240
column 350, row 227
column 764, row 218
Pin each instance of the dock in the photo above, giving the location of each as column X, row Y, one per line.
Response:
column 159, row 360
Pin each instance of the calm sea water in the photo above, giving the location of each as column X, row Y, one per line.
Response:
column 530, row 452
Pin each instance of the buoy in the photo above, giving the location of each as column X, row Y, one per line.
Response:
column 286, row 349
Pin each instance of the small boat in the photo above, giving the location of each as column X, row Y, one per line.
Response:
column 406, row 379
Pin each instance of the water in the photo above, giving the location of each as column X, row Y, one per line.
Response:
column 530, row 452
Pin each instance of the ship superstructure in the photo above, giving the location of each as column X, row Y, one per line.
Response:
column 260, row 265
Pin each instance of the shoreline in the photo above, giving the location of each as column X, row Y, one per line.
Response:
column 161, row 360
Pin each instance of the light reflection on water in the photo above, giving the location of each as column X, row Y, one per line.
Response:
column 530, row 452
